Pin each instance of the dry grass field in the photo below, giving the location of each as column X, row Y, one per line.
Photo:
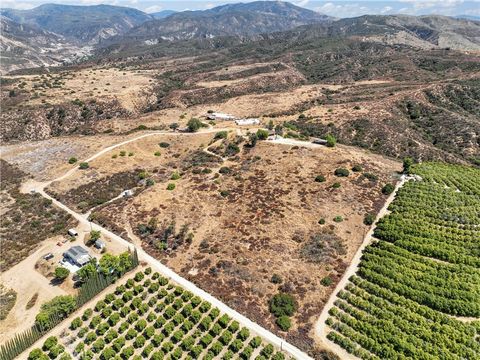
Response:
column 231, row 224
column 99, row 83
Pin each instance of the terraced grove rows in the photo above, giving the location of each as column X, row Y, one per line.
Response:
column 150, row 318
column 420, row 277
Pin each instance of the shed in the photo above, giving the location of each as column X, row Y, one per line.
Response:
column 77, row 255
column 72, row 232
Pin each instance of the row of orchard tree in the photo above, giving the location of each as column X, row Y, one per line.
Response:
column 423, row 271
column 91, row 286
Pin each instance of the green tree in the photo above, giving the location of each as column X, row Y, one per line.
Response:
column 125, row 262
column 84, row 165
column 61, row 273
column 194, row 124
column 86, row 271
column 357, row 168
column 95, row 235
column 369, row 219
column 262, row 134
column 388, row 189
column 407, row 164
column 37, row 354
column 221, row 135
column 49, row 343
column 331, row 140
column 341, row 172
column 72, row 160
column 283, row 304
column 109, row 264
column 336, row 185
column 326, row 281
column 76, row 323
column 59, row 306
column 108, row 353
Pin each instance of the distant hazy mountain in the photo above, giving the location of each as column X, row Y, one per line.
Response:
column 163, row 14
column 424, row 32
column 24, row 46
column 228, row 20
column 83, row 24
column 418, row 31
column 468, row 17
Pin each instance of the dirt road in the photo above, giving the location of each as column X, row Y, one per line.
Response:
column 320, row 326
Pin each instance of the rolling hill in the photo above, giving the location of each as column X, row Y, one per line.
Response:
column 25, row 46
column 85, row 25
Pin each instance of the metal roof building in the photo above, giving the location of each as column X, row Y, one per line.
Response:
column 250, row 121
column 77, row 255
column 220, row 116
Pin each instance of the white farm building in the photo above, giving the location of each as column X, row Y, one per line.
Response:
column 251, row 121
column 220, row 116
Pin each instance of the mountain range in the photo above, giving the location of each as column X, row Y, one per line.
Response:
column 228, row 20
column 82, row 25
column 53, row 34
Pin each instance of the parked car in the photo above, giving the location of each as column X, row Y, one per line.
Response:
column 48, row 256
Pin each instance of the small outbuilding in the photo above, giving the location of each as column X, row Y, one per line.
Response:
column 220, row 116
column 77, row 255
column 127, row 193
column 72, row 232
column 250, row 121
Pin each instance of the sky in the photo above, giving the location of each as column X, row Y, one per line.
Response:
column 339, row 9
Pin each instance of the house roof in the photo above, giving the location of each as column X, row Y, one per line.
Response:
column 78, row 254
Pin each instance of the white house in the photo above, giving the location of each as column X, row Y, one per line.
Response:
column 251, row 121
column 220, row 116
column 77, row 256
